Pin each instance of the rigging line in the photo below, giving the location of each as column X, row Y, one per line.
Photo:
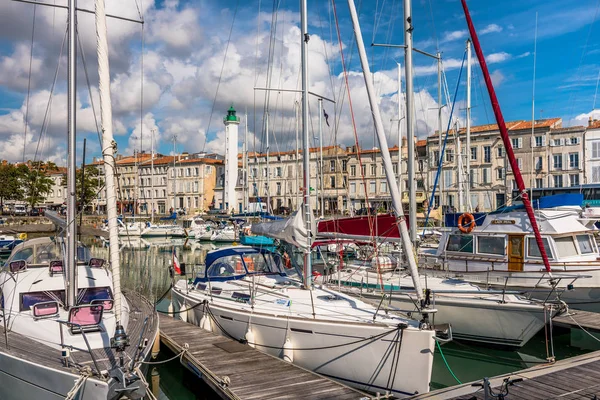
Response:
column 28, row 85
column 256, row 48
column 269, row 74
column 141, row 86
column 212, row 110
column 87, row 79
column 47, row 114
column 435, row 36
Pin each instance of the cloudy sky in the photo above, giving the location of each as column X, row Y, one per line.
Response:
column 199, row 57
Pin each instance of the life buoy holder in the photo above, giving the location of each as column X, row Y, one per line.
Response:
column 466, row 223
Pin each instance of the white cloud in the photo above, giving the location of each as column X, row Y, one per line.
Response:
column 494, row 58
column 583, row 118
column 455, row 35
column 491, row 28
column 497, row 78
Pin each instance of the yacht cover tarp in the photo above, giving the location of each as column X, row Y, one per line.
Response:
column 292, row 230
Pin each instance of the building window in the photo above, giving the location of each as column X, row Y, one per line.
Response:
column 448, row 179
column 574, row 140
column 574, row 180
column 558, row 181
column 383, row 187
column 278, row 188
column 421, row 166
column 540, row 141
column 520, row 163
column 353, row 187
column 264, row 172
column 332, row 165
column 420, row 184
column 539, row 183
column 395, row 168
column 514, row 185
column 473, row 153
column 344, row 165
column 487, row 154
column 595, row 174
column 345, row 182
column 436, row 158
column 278, row 171
column 332, row 182
column 254, row 189
column 574, row 160
column 557, row 158
column 363, row 170
column 500, row 173
column 353, row 170
column 486, row 175
column 500, row 151
column 539, row 163
column 596, row 149
column 372, row 187
column 449, row 155
column 515, row 143
column 373, row 169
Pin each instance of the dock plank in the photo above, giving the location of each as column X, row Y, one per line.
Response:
column 586, row 319
column 251, row 374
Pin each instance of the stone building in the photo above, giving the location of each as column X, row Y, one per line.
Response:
column 592, row 152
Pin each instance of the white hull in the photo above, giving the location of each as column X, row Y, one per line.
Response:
column 359, row 363
column 485, row 321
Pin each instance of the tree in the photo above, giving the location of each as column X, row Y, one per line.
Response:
column 36, row 184
column 10, row 184
column 87, row 191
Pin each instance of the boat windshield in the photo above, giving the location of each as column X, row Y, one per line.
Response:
column 46, row 252
column 262, row 263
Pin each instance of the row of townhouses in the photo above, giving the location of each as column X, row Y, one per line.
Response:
column 350, row 178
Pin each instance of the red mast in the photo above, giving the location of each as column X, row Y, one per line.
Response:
column 504, row 134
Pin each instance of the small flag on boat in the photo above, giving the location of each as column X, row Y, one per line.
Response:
column 176, row 266
column 326, row 117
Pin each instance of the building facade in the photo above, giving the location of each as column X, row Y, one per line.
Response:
column 592, row 152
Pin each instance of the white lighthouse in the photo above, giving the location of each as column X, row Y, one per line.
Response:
column 231, row 122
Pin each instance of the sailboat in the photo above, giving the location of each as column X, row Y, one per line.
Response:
column 269, row 301
column 69, row 331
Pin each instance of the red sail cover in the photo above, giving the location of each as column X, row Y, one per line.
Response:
column 364, row 227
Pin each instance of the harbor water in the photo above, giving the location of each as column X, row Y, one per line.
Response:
column 145, row 266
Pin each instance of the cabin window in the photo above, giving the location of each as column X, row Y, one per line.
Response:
column 565, row 246
column 491, row 245
column 24, row 254
column 533, row 249
column 261, row 263
column 461, row 243
column 585, row 244
column 31, row 298
column 226, row 267
column 86, row 295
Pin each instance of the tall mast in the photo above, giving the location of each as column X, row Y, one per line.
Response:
column 152, row 172
column 441, row 138
column 385, row 153
column 321, row 184
column 400, row 129
column 504, row 134
column 71, row 263
column 245, row 161
column 306, row 143
column 468, row 144
column 297, row 111
column 108, row 154
column 175, row 178
column 459, row 170
column 532, row 180
column 410, row 132
column 268, row 166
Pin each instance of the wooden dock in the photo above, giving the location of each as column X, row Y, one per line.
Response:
column 237, row 371
column 575, row 319
column 573, row 378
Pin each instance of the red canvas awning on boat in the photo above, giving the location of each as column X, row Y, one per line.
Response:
column 363, row 227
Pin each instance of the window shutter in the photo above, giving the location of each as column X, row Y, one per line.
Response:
column 565, row 163
column 544, row 140
column 520, row 142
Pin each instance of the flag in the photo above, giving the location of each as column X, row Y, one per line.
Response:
column 326, row 117
column 176, row 266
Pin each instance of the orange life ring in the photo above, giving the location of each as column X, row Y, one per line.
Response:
column 468, row 225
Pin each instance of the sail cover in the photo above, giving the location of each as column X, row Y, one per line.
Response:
column 292, row 230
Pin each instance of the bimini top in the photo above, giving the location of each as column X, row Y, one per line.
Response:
column 231, row 263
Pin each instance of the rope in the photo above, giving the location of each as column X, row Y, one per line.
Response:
column 179, row 355
column 446, row 362
column 85, row 373
column 583, row 329
column 29, row 86
column 182, row 311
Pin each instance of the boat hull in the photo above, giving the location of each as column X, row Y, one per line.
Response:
column 343, row 351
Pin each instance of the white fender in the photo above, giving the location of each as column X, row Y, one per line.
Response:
column 250, row 337
column 288, row 351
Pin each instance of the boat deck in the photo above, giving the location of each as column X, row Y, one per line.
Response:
column 573, row 378
column 579, row 319
column 237, row 371
column 15, row 344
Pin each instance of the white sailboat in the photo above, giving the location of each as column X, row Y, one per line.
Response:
column 249, row 293
column 64, row 317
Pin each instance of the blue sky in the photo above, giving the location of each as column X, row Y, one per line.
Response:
column 184, row 54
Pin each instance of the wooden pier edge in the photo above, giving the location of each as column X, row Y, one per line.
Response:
column 324, row 387
column 527, row 374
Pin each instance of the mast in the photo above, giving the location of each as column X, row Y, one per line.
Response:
column 307, row 273
column 468, row 141
column 400, row 129
column 175, row 179
column 152, row 172
column 441, row 139
column 108, row 154
column 410, row 132
column 268, row 165
column 297, row 111
column 532, row 180
column 504, row 134
column 321, row 184
column 245, row 161
column 71, row 258
column 385, row 153
column 459, row 170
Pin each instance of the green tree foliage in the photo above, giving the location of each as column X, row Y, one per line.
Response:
column 35, row 183
column 88, row 190
column 10, row 183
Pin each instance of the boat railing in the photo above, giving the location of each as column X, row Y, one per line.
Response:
column 71, row 347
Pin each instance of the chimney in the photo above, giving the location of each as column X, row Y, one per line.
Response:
column 590, row 121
